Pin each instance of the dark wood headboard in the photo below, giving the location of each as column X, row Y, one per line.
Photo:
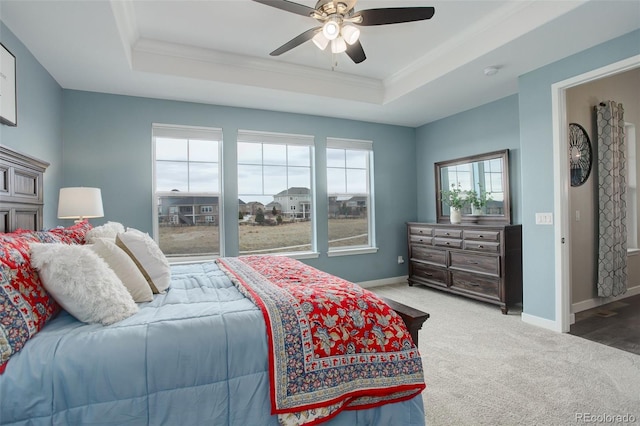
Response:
column 21, row 198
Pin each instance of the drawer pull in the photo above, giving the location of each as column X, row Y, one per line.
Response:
column 480, row 236
column 480, row 246
column 448, row 243
column 473, row 284
column 420, row 231
column 473, row 263
column 446, row 233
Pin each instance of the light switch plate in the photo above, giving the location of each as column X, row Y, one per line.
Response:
column 544, row 218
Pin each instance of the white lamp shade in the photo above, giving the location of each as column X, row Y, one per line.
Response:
column 320, row 40
column 80, row 203
column 338, row 45
column 350, row 34
column 331, row 29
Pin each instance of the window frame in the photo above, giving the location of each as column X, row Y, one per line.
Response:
column 356, row 145
column 288, row 139
column 159, row 130
column 633, row 246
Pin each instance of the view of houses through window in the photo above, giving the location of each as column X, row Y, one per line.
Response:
column 187, row 190
column 275, row 192
column 349, row 190
column 274, row 186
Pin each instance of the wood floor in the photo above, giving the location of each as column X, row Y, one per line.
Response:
column 615, row 324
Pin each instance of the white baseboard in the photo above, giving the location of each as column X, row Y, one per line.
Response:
column 599, row 301
column 384, row 281
column 577, row 307
column 541, row 322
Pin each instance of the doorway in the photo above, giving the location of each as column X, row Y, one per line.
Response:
column 562, row 212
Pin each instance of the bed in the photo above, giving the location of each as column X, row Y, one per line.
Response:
column 198, row 352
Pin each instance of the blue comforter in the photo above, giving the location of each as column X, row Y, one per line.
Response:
column 196, row 355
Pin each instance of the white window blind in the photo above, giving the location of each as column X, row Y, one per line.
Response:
column 274, row 138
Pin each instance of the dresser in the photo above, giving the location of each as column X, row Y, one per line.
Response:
column 482, row 262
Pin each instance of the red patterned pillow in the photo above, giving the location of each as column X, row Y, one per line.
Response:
column 75, row 233
column 25, row 305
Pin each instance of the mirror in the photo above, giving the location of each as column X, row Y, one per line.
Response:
column 482, row 174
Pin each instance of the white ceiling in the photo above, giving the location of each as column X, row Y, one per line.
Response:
column 217, row 52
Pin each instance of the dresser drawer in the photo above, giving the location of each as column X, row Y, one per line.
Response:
column 474, row 283
column 475, row 262
column 438, row 257
column 421, row 239
column 433, row 274
column 420, row 230
column 448, row 233
column 478, row 234
column 486, row 246
column 447, row 242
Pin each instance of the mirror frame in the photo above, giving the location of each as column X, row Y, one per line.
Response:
column 484, row 219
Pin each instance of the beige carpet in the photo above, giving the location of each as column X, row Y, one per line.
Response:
column 485, row 368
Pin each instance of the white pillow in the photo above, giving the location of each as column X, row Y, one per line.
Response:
column 124, row 268
column 108, row 230
column 148, row 258
column 82, row 283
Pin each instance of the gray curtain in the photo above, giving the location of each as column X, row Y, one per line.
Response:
column 612, row 182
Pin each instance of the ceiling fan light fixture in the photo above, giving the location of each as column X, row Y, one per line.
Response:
column 331, row 29
column 320, row 41
column 350, row 34
column 338, row 45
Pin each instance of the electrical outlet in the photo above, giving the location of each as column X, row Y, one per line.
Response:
column 400, row 260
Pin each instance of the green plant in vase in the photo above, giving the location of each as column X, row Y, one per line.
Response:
column 478, row 201
column 456, row 199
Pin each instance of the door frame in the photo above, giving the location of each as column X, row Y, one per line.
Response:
column 563, row 314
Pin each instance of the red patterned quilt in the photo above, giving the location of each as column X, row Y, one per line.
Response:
column 332, row 344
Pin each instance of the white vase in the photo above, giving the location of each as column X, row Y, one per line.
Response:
column 455, row 215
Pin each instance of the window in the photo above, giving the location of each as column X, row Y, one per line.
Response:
column 274, row 180
column 349, row 183
column 187, row 190
column 632, row 189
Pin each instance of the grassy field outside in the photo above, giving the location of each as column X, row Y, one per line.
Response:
column 190, row 240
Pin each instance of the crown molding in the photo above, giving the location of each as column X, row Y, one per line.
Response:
column 125, row 18
column 193, row 62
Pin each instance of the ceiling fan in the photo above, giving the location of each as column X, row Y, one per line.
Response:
column 339, row 20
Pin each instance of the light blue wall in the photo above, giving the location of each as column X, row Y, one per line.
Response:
column 39, row 115
column 491, row 127
column 536, row 142
column 107, row 142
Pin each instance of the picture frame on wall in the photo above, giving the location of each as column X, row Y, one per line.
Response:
column 8, row 109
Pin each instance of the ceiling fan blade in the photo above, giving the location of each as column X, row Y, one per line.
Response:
column 393, row 15
column 296, row 41
column 288, row 6
column 356, row 52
